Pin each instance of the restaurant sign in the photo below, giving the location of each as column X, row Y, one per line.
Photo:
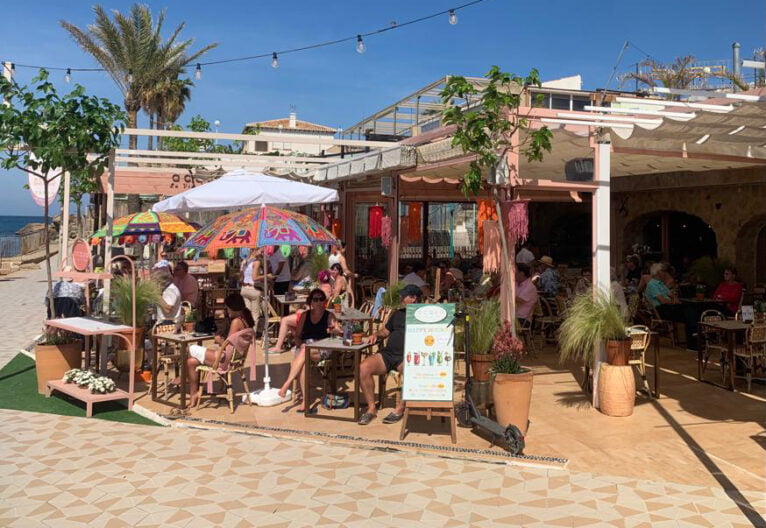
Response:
column 429, row 352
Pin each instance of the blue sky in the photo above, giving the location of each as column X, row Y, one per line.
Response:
column 336, row 86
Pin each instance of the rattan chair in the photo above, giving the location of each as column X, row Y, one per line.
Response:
column 640, row 337
column 168, row 356
column 236, row 365
column 752, row 352
column 712, row 343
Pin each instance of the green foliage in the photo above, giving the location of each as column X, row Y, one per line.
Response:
column 392, row 297
column 54, row 336
column 191, row 316
column 338, row 299
column 356, row 328
column 148, row 292
column 318, row 262
column 197, row 124
column 484, row 323
column 487, row 123
column 589, row 320
column 709, row 271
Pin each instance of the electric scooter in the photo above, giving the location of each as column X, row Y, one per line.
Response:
column 509, row 438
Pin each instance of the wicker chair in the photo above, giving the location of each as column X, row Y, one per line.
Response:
column 168, row 356
column 752, row 352
column 712, row 343
column 237, row 365
column 640, row 337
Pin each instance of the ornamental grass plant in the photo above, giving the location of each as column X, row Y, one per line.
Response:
column 485, row 320
column 590, row 319
column 148, row 292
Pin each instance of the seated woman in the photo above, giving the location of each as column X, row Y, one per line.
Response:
column 339, row 282
column 313, row 325
column 290, row 322
column 585, row 282
column 241, row 319
column 729, row 291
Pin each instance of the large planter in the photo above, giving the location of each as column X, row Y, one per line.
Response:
column 480, row 364
column 123, row 356
column 616, row 390
column 618, row 352
column 52, row 361
column 512, row 395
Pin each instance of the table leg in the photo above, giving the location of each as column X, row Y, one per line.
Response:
column 357, row 360
column 86, row 356
column 307, row 381
column 156, row 369
column 730, row 361
column 656, row 365
column 184, row 381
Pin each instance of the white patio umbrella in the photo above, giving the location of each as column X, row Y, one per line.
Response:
column 241, row 188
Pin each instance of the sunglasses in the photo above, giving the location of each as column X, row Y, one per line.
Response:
column 317, row 299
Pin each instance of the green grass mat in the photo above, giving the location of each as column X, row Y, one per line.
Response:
column 18, row 391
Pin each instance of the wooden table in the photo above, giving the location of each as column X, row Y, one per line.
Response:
column 299, row 300
column 182, row 339
column 336, row 346
column 89, row 327
column 352, row 314
column 730, row 329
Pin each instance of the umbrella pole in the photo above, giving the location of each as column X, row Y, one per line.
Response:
column 265, row 314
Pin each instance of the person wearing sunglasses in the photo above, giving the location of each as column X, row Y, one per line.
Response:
column 314, row 324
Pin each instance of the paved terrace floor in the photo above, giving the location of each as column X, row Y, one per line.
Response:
column 693, row 458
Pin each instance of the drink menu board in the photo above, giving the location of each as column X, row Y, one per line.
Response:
column 429, row 352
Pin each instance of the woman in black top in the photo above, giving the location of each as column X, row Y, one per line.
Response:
column 313, row 325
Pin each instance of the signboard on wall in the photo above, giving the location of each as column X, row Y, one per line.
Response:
column 429, row 352
column 164, row 183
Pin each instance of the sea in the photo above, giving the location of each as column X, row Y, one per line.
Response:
column 10, row 244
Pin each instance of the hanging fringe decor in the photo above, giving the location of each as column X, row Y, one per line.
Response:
column 516, row 216
column 374, row 217
column 385, row 231
column 415, row 224
column 337, row 227
column 492, row 248
column 486, row 211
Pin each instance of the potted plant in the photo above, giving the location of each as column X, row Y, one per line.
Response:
column 591, row 319
column 356, row 334
column 147, row 294
column 190, row 319
column 485, row 319
column 337, row 303
column 511, row 382
column 700, row 290
column 55, row 354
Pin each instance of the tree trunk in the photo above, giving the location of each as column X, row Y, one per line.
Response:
column 160, row 126
column 132, row 121
column 48, row 249
column 79, row 219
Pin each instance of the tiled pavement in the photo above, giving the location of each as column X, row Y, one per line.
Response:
column 60, row 471
column 21, row 298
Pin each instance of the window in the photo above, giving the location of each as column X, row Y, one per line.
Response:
column 261, row 146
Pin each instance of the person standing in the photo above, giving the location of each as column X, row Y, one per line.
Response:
column 280, row 269
column 252, row 284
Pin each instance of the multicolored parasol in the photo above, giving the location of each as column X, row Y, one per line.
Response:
column 259, row 227
column 146, row 223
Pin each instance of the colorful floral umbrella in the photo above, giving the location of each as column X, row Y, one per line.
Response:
column 259, row 227
column 147, row 223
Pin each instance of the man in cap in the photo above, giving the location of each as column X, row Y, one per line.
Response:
column 549, row 278
column 390, row 357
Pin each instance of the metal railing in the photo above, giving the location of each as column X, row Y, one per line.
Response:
column 10, row 246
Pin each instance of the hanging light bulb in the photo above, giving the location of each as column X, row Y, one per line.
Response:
column 452, row 17
column 198, row 72
column 68, row 75
column 274, row 60
column 360, row 48
column 130, row 76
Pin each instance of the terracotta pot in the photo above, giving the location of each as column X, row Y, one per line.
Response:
column 356, row 339
column 512, row 394
column 189, row 327
column 480, row 364
column 618, row 352
column 337, row 308
column 123, row 357
column 146, row 376
column 52, row 361
column 616, row 390
column 699, row 296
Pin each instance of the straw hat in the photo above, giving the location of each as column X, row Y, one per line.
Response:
column 548, row 261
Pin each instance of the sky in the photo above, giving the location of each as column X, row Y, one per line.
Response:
column 335, row 86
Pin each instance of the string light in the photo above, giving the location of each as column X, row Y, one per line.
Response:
column 360, row 45
column 68, row 75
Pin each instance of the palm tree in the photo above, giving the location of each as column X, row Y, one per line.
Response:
column 165, row 102
column 680, row 74
column 131, row 49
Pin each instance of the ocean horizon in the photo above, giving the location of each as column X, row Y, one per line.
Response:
column 9, row 224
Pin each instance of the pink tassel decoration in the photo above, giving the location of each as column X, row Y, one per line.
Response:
column 385, row 231
column 492, row 248
column 516, row 216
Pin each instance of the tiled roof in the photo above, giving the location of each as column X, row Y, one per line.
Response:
column 285, row 124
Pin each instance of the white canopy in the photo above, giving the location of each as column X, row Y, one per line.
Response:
column 241, row 188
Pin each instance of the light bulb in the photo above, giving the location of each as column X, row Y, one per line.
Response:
column 68, row 76
column 198, row 72
column 130, row 76
column 360, row 44
column 452, row 17
column 274, row 60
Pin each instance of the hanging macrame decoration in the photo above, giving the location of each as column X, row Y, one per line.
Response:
column 375, row 215
column 516, row 216
column 326, row 218
column 492, row 247
column 385, row 231
column 486, row 211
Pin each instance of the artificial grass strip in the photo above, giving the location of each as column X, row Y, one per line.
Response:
column 18, row 392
